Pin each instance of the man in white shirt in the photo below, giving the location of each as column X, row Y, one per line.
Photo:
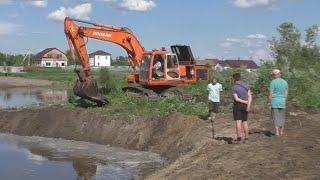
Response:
column 214, row 88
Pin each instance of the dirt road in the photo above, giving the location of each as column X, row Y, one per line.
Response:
column 185, row 141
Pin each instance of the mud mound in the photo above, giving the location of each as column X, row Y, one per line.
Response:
column 293, row 156
column 170, row 136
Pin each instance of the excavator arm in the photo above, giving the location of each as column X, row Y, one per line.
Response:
column 118, row 35
column 86, row 87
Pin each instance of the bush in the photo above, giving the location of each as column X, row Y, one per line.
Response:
column 106, row 81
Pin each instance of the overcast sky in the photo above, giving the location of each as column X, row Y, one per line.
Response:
column 213, row 28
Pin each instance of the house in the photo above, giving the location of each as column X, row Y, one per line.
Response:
column 100, row 59
column 249, row 65
column 215, row 64
column 210, row 62
column 219, row 65
column 51, row 57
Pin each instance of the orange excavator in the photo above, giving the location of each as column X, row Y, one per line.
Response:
column 156, row 71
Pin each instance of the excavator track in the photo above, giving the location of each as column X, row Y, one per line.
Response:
column 174, row 91
column 152, row 96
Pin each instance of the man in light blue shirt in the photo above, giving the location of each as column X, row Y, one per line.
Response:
column 214, row 89
column 278, row 93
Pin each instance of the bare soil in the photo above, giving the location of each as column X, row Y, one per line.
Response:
column 170, row 136
column 9, row 82
column 186, row 141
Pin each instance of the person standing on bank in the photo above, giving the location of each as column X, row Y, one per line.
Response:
column 242, row 106
column 214, row 88
column 278, row 93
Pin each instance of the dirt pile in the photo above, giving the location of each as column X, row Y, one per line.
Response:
column 170, row 136
column 294, row 156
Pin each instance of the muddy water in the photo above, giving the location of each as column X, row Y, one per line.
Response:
column 47, row 158
column 17, row 97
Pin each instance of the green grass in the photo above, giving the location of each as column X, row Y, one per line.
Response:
column 135, row 107
column 59, row 76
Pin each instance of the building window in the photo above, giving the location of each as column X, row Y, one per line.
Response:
column 62, row 64
column 48, row 64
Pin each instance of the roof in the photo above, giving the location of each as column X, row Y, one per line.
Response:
column 211, row 62
column 250, row 64
column 40, row 55
column 99, row 53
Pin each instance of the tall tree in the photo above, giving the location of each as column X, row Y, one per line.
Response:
column 286, row 49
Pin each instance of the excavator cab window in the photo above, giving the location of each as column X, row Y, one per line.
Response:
column 172, row 67
column 158, row 66
column 144, row 68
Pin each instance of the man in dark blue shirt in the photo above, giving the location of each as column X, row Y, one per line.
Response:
column 242, row 105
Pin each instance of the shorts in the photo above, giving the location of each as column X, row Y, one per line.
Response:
column 213, row 107
column 278, row 116
column 240, row 112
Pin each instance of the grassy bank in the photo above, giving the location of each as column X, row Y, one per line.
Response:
column 59, row 76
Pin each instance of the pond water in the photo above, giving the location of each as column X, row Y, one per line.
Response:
column 18, row 97
column 37, row 158
column 47, row 158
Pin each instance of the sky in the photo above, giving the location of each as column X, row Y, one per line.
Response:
column 224, row 29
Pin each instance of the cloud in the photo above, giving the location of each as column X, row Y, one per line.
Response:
column 127, row 5
column 21, row 34
column 33, row 3
column 38, row 4
column 253, row 3
column 260, row 54
column 257, row 36
column 13, row 15
column 5, row 2
column 226, row 44
column 81, row 11
column 40, row 32
column 8, row 28
column 89, row 1
column 234, row 40
column 137, row 5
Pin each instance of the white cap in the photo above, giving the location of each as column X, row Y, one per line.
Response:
column 276, row 71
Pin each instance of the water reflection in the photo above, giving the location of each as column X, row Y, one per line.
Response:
column 86, row 169
column 17, row 97
column 47, row 158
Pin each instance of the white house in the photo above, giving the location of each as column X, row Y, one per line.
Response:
column 100, row 59
column 51, row 57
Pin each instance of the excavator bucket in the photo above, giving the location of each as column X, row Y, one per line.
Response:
column 88, row 89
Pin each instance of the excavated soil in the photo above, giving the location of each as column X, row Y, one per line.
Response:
column 170, row 136
column 185, row 141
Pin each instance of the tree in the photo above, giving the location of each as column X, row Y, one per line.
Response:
column 286, row 49
column 299, row 61
column 69, row 56
column 120, row 61
column 311, row 36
